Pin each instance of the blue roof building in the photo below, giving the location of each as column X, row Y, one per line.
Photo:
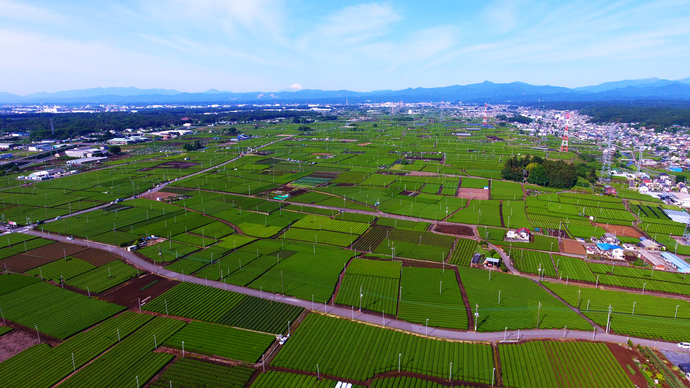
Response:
column 680, row 264
column 608, row 247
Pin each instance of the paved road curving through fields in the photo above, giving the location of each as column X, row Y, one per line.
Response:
column 135, row 260
column 364, row 317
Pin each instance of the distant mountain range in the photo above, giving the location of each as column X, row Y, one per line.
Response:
column 515, row 92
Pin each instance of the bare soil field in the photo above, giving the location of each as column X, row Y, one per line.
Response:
column 625, row 356
column 158, row 194
column 96, row 257
column 57, row 250
column 14, row 343
column 39, row 256
column 130, row 292
column 23, row 262
column 473, row 193
column 620, row 230
column 458, row 230
column 572, row 246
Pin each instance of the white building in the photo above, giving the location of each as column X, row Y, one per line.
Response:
column 80, row 161
column 681, row 199
column 85, row 153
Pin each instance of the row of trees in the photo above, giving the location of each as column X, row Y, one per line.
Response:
column 71, row 125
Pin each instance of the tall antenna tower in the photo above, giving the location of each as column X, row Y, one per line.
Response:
column 52, row 129
column 441, row 118
column 564, row 143
column 485, row 122
column 606, row 159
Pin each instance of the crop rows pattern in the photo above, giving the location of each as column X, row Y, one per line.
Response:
column 189, row 373
column 557, row 364
column 358, row 351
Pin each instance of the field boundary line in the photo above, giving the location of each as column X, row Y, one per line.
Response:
column 576, row 310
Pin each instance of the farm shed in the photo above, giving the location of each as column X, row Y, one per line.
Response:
column 476, row 258
column 676, row 262
column 87, row 160
column 649, row 245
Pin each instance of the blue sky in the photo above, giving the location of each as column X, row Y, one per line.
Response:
column 269, row 45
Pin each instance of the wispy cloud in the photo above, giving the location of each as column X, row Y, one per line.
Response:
column 357, row 24
column 270, row 44
column 25, row 12
column 232, row 17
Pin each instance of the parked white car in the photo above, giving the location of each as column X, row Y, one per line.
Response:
column 684, row 345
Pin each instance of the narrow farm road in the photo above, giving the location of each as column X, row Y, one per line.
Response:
column 506, row 259
column 364, row 317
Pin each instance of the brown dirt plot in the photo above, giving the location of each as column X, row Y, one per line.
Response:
column 158, row 194
column 14, row 343
column 473, row 193
column 620, row 230
column 128, row 293
column 459, row 230
column 39, row 256
column 96, row 257
column 572, row 246
column 625, row 356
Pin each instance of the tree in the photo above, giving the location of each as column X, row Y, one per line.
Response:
column 538, row 176
column 520, row 119
column 592, row 176
column 681, row 178
column 196, row 145
column 115, row 149
column 531, row 167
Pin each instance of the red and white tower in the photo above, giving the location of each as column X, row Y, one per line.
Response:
column 485, row 122
column 564, row 143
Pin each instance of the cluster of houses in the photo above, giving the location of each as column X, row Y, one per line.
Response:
column 663, row 183
column 519, row 235
column 610, row 246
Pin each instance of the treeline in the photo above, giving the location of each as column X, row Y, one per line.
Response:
column 544, row 172
column 69, row 125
